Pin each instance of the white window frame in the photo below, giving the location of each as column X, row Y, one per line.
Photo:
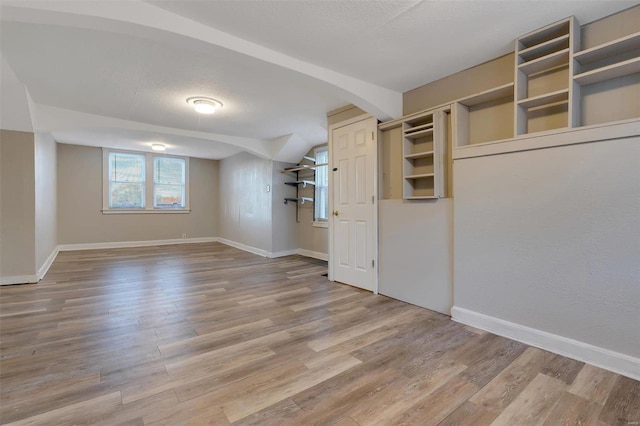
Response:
column 149, row 190
column 321, row 223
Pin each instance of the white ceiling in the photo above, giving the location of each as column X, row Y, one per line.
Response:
column 278, row 66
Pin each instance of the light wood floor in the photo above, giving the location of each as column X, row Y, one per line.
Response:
column 207, row 334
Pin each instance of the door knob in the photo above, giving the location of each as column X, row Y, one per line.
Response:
column 335, row 212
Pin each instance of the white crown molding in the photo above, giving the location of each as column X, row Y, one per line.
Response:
column 614, row 361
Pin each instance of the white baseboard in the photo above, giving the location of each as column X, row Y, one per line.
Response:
column 18, row 279
column 314, row 254
column 47, row 263
column 273, row 255
column 614, row 361
column 250, row 249
column 124, row 244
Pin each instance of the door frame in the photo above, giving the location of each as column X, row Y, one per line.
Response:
column 330, row 250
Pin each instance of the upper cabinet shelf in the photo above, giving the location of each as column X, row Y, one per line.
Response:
column 543, row 49
column 610, row 49
column 547, row 62
column 609, row 72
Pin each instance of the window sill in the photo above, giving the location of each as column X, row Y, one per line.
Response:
column 146, row 211
column 321, row 224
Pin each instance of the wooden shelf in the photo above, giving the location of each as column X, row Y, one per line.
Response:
column 545, row 48
column 419, row 155
column 544, row 63
column 506, row 90
column 547, row 98
column 610, row 49
column 609, row 72
column 303, row 167
column 300, row 200
column 420, row 176
column 419, row 133
column 304, row 183
column 422, row 197
column 546, row 33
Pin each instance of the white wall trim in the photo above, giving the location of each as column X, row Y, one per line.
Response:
column 250, row 249
column 273, row 255
column 124, row 244
column 18, row 279
column 551, row 138
column 47, row 263
column 614, row 361
column 313, row 254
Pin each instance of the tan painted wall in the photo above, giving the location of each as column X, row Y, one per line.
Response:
column 17, row 204
column 80, row 219
column 46, row 211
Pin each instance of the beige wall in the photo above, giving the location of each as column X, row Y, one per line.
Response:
column 46, row 211
column 342, row 114
column 464, row 83
column 80, row 219
column 245, row 205
column 17, row 204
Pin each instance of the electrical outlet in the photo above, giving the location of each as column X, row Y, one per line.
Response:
column 184, row 236
column 268, row 188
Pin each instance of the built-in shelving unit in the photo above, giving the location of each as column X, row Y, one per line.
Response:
column 557, row 88
column 422, row 149
column 545, row 54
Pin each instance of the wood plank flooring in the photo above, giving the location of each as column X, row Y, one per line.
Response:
column 208, row 334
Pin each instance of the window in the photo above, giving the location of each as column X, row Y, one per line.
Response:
column 168, row 183
column 144, row 183
column 126, row 180
column 321, row 214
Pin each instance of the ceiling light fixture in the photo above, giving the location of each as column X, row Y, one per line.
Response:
column 204, row 105
column 158, row 147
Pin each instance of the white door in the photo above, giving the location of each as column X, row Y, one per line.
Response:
column 353, row 227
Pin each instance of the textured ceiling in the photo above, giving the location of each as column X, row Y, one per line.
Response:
column 397, row 44
column 278, row 66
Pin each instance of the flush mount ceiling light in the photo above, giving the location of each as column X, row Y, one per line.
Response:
column 157, row 147
column 204, row 105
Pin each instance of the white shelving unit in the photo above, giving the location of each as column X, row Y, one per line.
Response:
column 538, row 53
column 422, row 148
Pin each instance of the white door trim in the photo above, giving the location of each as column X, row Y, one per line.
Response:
column 332, row 127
